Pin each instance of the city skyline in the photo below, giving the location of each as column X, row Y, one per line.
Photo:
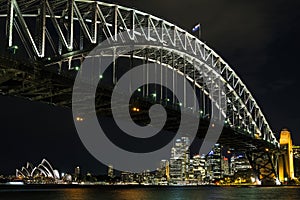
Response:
column 181, row 168
column 221, row 166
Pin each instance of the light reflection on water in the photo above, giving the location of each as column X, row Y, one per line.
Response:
column 160, row 193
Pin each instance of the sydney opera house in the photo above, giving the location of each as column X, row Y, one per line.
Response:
column 44, row 171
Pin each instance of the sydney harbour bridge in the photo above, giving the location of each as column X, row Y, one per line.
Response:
column 44, row 43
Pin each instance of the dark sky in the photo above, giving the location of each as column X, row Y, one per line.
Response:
column 259, row 40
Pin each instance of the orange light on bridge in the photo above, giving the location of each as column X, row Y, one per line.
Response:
column 79, row 119
column 135, row 109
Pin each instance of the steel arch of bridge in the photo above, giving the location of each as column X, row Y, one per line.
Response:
column 78, row 25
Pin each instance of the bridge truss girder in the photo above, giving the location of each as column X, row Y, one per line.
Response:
column 264, row 163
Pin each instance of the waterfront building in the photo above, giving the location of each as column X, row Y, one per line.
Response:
column 132, row 178
column 146, row 177
column 126, row 177
column 240, row 163
column 42, row 173
column 242, row 170
column 198, row 168
column 191, row 170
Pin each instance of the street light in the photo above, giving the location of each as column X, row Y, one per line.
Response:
column 77, row 68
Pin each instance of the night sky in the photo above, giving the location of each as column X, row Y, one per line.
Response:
column 259, row 39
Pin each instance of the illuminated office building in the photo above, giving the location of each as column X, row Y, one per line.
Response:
column 180, row 159
column 164, row 169
column 213, row 165
column 225, row 166
column 197, row 168
column 77, row 173
column 296, row 153
column 110, row 171
column 240, row 163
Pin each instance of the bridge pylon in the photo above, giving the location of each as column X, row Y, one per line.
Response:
column 286, row 158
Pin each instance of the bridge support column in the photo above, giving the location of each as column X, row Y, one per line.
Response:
column 286, row 159
column 281, row 168
column 264, row 164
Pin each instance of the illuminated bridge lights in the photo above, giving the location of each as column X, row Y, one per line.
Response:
column 135, row 109
column 79, row 119
column 77, row 68
column 14, row 49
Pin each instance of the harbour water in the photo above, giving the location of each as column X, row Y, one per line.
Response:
column 150, row 193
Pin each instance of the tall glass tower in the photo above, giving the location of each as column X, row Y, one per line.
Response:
column 179, row 161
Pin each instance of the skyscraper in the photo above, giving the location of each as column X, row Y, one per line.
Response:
column 110, row 171
column 225, row 166
column 214, row 168
column 165, row 168
column 179, row 161
column 77, row 173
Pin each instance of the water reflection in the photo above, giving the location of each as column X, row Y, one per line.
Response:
column 75, row 194
column 164, row 193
